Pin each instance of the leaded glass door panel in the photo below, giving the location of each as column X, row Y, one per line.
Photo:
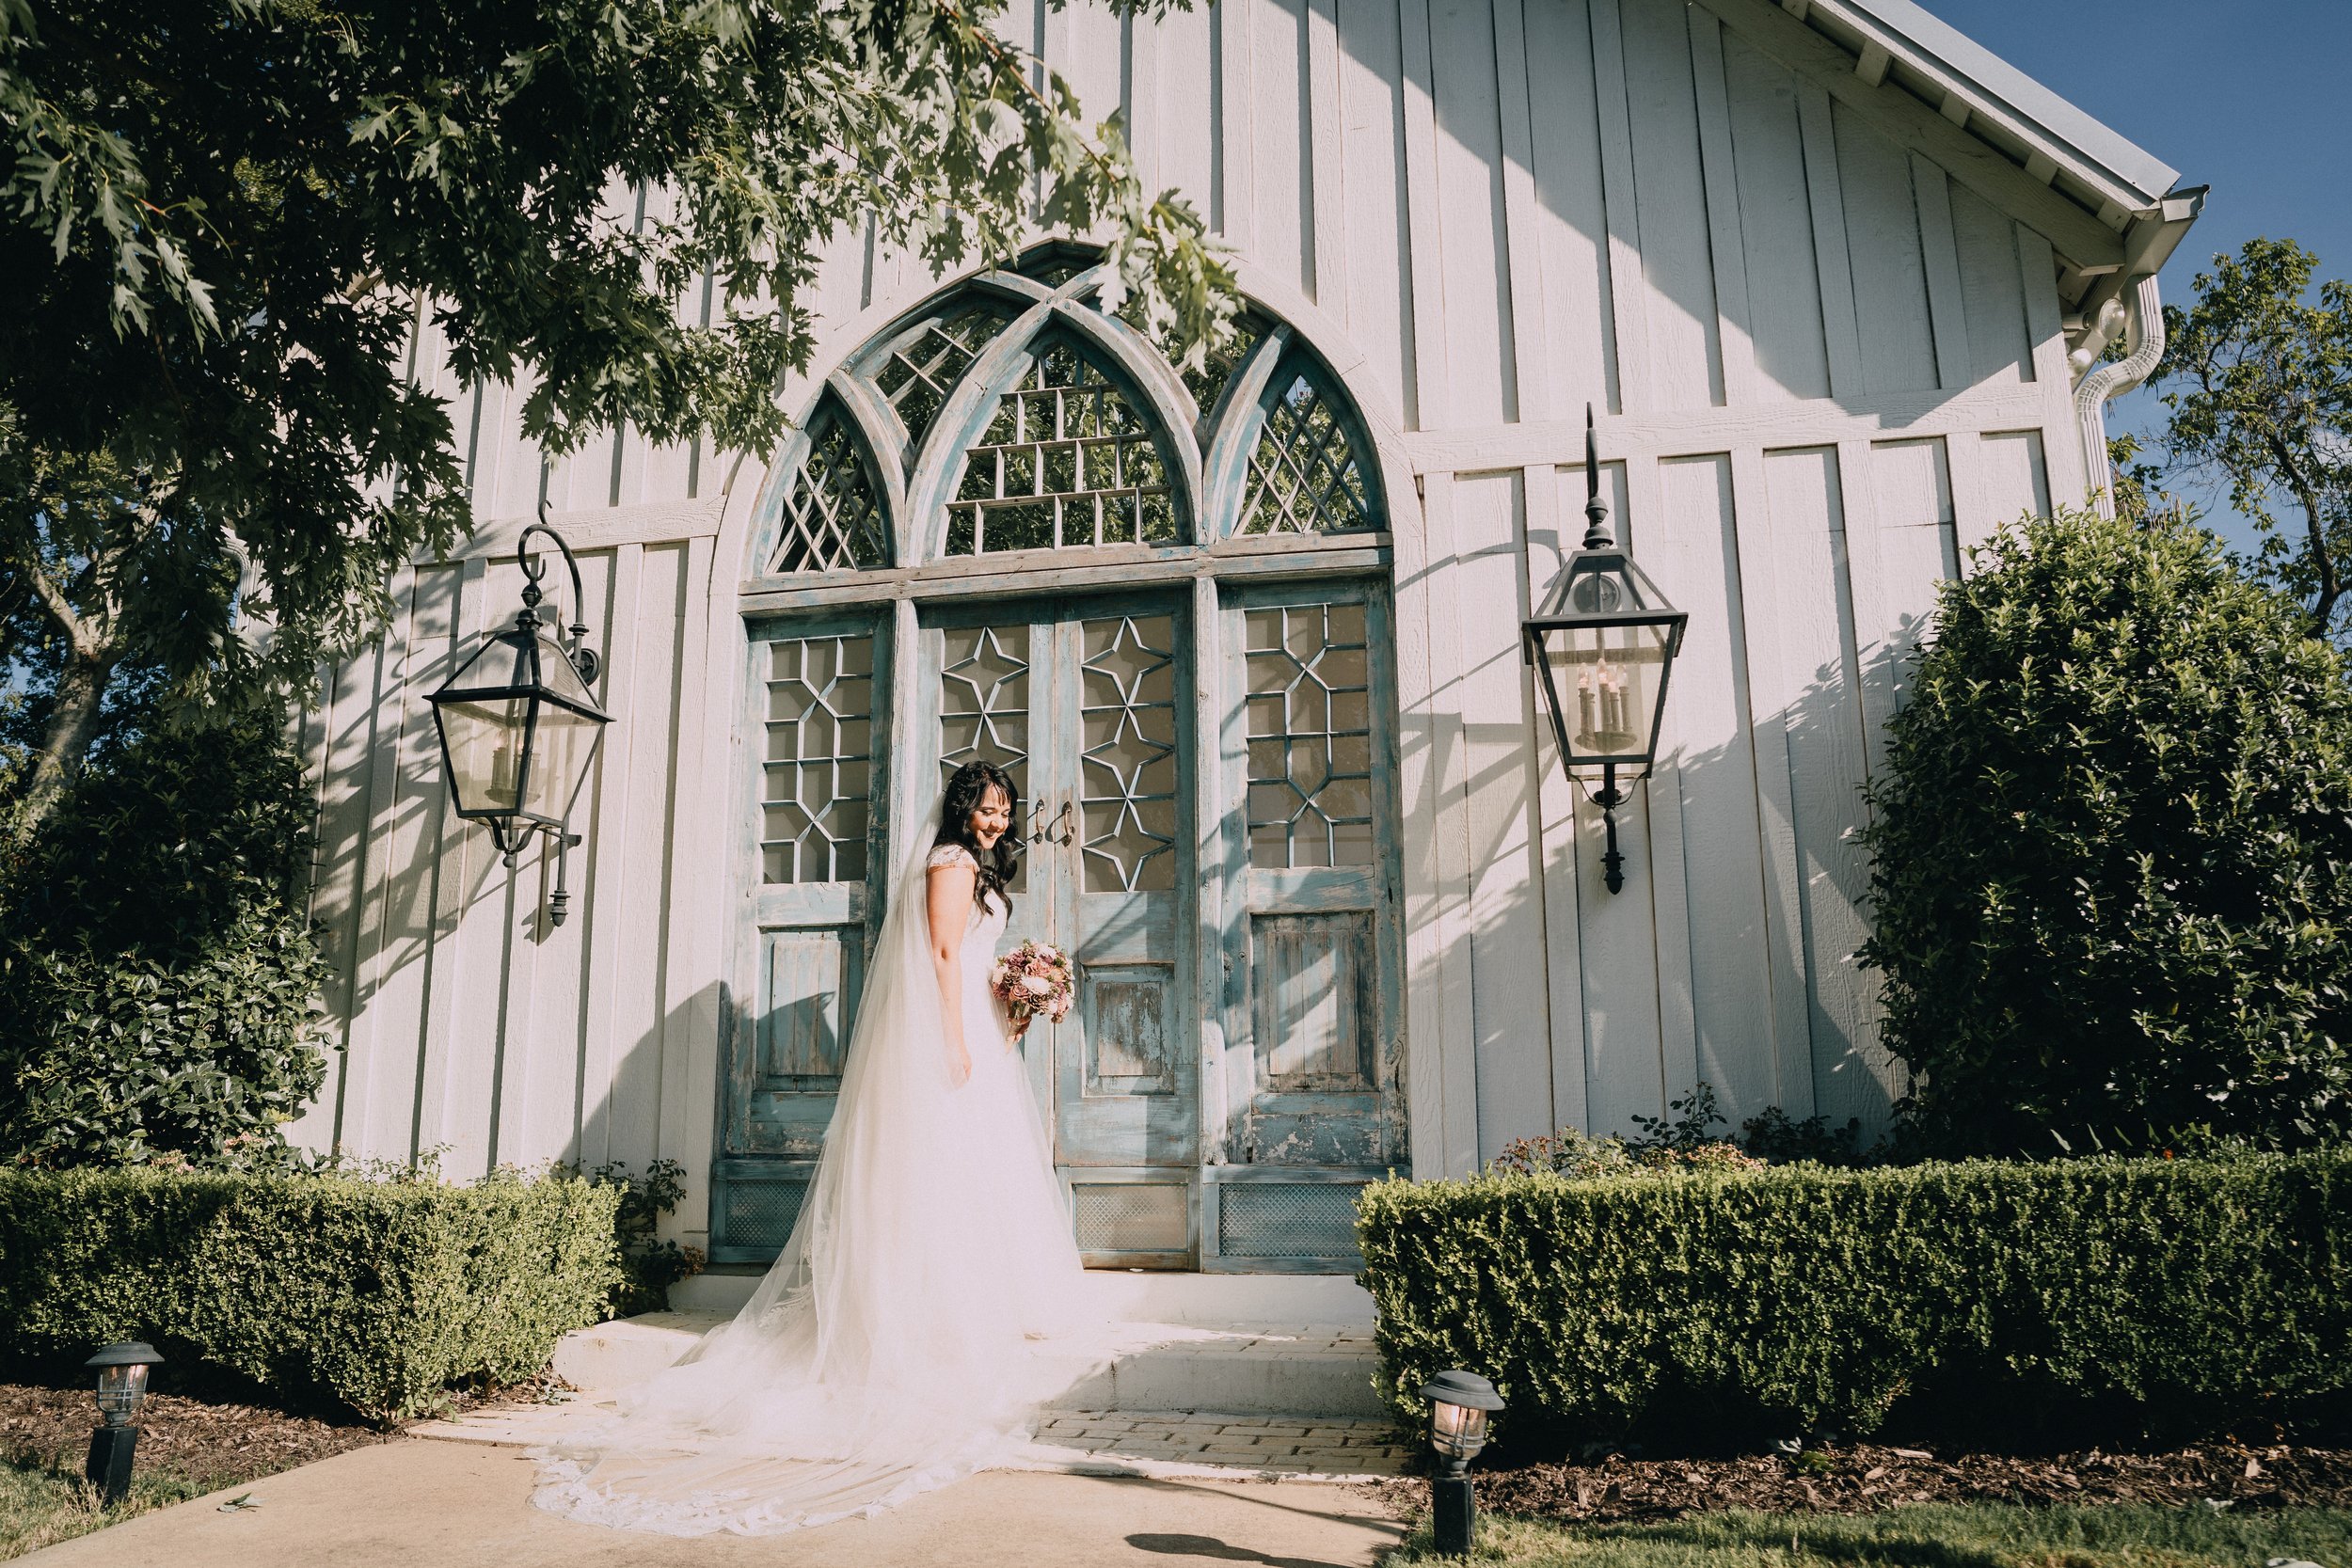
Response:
column 816, row 731
column 1087, row 702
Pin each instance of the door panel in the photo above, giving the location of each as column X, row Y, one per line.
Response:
column 1085, row 702
column 1312, row 939
column 817, row 736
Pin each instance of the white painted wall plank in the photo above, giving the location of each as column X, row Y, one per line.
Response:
column 1693, row 551
column 1628, row 296
column 1817, row 703
column 1940, row 253
column 1509, row 1009
column 1571, row 228
column 1992, row 292
column 1734, row 315
column 1280, row 142
column 1376, row 303
column 1772, row 691
column 1531, row 363
column 1553, row 530
column 1890, row 283
column 1784, row 283
column 1685, row 346
column 1833, row 254
column 1481, row 385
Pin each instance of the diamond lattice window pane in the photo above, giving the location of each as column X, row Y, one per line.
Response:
column 916, row 376
column 1067, row 460
column 1310, row 737
column 1305, row 476
column 816, row 777
column 833, row 518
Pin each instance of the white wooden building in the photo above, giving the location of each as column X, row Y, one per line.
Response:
column 1251, row 639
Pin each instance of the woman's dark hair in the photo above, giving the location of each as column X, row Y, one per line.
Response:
column 966, row 789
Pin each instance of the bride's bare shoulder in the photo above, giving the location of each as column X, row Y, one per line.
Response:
column 954, row 855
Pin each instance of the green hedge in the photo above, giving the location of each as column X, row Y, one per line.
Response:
column 2179, row 1293
column 381, row 1294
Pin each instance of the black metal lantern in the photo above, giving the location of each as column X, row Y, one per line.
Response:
column 1459, row 1406
column 520, row 724
column 122, row 1390
column 1603, row 642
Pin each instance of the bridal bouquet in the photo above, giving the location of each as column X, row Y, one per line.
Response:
column 1033, row 981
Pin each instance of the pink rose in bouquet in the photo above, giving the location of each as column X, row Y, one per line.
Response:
column 1033, row 981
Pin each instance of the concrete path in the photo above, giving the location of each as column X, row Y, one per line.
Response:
column 459, row 1505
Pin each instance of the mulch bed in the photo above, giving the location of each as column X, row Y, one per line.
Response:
column 213, row 1444
column 1863, row 1478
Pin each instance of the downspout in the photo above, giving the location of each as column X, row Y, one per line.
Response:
column 2143, row 335
column 2134, row 312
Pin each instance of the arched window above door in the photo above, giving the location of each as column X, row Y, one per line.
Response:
column 1014, row 414
column 833, row 518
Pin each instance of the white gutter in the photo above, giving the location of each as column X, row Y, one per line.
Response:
column 2143, row 330
column 2135, row 311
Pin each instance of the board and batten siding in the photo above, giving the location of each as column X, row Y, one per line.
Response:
column 1827, row 359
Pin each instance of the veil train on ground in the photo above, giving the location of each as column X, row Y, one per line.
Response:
column 924, row 1308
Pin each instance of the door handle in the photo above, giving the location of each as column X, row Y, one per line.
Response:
column 1060, row 820
column 1035, row 834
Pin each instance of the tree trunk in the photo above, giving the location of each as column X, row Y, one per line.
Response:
column 72, row 725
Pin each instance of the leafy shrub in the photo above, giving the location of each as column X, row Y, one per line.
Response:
column 2112, row 879
column 380, row 1293
column 1687, row 1141
column 2141, row 1294
column 649, row 1266
column 157, row 974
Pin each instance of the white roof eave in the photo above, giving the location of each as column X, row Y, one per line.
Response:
column 2135, row 179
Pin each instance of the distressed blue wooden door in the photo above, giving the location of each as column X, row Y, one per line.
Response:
column 816, row 729
column 1314, row 946
column 1087, row 702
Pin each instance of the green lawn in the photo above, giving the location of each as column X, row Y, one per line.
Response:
column 1973, row 1535
column 40, row 1507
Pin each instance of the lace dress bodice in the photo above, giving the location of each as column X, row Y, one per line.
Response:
column 983, row 1019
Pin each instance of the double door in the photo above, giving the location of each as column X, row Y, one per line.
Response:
column 1231, row 1070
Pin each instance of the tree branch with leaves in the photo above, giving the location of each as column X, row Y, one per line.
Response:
column 226, row 220
column 2257, row 376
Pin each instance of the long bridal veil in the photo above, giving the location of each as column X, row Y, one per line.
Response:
column 918, row 1315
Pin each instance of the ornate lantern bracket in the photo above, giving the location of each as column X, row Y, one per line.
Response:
column 1603, row 643
column 519, row 722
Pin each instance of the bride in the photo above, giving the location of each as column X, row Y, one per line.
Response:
column 925, row 1304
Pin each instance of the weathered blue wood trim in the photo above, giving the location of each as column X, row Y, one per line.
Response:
column 1231, row 429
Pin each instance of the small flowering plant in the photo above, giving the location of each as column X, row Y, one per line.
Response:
column 1033, row 981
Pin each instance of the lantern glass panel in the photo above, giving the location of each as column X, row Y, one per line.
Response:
column 121, row 1392
column 1458, row 1430
column 558, row 759
column 1607, row 678
column 485, row 752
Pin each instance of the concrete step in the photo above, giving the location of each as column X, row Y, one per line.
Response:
column 1137, row 1295
column 1271, row 1362
column 1302, row 1372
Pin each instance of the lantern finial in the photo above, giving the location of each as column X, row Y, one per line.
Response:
column 1596, row 534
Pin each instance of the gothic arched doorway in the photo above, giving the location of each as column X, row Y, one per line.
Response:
column 1008, row 527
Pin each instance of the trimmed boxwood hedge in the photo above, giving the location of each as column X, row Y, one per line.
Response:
column 2162, row 1294
column 381, row 1294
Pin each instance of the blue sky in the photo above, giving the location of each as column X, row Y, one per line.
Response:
column 2246, row 96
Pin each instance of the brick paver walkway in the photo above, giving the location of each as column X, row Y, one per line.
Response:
column 1331, row 1447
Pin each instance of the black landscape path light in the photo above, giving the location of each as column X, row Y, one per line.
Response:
column 1602, row 643
column 1459, row 1406
column 519, row 722
column 121, row 1389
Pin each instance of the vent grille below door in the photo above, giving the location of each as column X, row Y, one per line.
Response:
column 1116, row 1220
column 1284, row 1219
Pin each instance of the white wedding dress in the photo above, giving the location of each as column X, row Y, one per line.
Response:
column 924, row 1307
